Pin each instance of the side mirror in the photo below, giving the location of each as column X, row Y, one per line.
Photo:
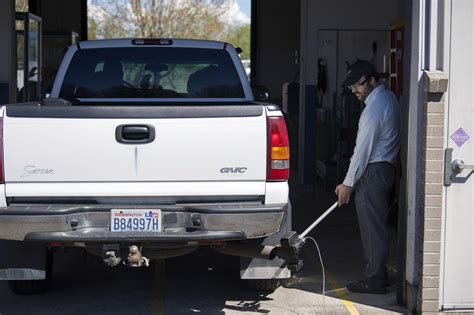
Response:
column 260, row 93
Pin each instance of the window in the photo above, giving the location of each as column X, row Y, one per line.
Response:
column 151, row 73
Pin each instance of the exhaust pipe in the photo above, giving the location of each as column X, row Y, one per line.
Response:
column 250, row 251
column 289, row 250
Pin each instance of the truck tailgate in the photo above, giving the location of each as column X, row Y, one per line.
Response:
column 71, row 147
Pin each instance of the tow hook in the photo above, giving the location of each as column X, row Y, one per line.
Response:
column 135, row 258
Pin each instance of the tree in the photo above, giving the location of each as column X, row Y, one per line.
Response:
column 239, row 36
column 197, row 19
column 107, row 19
column 21, row 5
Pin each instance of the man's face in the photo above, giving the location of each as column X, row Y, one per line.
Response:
column 362, row 88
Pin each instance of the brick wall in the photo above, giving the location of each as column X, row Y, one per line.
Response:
column 432, row 192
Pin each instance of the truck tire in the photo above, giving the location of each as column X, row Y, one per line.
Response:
column 264, row 285
column 25, row 287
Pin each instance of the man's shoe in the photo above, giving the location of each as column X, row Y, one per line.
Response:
column 364, row 286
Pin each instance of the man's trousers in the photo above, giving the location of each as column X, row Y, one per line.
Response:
column 372, row 195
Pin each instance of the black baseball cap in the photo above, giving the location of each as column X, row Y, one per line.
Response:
column 357, row 70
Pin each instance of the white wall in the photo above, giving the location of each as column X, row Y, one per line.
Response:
column 336, row 48
column 344, row 15
column 318, row 16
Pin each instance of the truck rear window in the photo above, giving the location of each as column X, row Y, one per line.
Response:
column 151, row 72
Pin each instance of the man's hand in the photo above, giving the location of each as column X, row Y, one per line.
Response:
column 343, row 193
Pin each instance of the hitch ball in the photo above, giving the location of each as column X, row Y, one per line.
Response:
column 135, row 258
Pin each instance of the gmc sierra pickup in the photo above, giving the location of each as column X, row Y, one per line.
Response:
column 145, row 149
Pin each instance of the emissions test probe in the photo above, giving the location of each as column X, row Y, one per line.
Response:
column 291, row 244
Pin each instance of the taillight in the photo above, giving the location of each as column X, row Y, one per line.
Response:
column 2, row 177
column 278, row 168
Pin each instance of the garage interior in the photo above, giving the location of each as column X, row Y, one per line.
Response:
column 300, row 51
column 303, row 67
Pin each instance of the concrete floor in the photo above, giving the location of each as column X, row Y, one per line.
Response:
column 207, row 282
column 341, row 249
column 203, row 282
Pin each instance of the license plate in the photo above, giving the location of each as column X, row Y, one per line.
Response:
column 135, row 220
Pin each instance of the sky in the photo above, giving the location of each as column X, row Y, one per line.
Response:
column 244, row 6
column 240, row 12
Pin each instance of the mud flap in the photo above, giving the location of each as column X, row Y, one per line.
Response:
column 22, row 260
column 254, row 268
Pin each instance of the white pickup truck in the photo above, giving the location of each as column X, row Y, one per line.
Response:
column 146, row 149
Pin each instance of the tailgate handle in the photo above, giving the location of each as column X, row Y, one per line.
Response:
column 135, row 134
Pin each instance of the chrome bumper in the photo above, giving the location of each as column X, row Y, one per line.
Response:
column 91, row 223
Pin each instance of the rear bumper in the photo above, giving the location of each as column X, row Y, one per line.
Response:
column 100, row 235
column 189, row 223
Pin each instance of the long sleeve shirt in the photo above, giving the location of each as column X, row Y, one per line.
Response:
column 378, row 137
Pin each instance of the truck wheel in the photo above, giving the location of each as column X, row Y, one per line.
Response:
column 266, row 285
column 23, row 287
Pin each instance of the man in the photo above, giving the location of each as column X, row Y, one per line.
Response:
column 371, row 172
